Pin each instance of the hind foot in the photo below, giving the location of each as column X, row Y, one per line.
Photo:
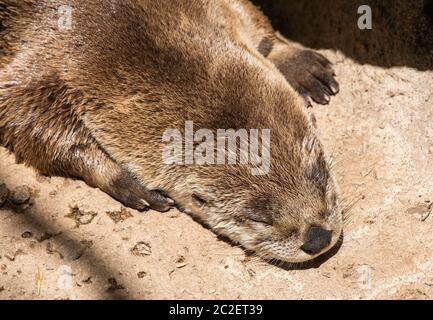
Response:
column 308, row 72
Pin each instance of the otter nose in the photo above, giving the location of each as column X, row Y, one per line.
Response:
column 317, row 239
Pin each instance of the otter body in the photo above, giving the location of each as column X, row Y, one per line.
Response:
column 88, row 88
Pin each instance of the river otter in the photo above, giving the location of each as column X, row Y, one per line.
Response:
column 88, row 88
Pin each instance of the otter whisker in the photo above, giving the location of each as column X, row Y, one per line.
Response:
column 347, row 209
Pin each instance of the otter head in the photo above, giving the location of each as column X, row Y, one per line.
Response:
column 289, row 208
column 291, row 213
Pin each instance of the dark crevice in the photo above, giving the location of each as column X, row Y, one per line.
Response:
column 402, row 32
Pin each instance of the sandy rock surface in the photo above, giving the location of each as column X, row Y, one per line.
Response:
column 60, row 239
column 70, row 241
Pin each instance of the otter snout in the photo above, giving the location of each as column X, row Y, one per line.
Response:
column 317, row 239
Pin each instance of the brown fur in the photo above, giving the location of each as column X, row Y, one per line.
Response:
column 93, row 102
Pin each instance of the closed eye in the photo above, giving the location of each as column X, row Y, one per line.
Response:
column 259, row 217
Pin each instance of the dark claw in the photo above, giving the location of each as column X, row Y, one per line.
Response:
column 316, row 90
column 159, row 201
column 328, row 80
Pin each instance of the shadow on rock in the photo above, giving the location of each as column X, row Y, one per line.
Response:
column 401, row 34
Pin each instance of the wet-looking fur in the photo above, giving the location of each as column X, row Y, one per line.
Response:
column 93, row 100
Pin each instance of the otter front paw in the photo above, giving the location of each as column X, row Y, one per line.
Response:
column 133, row 194
column 309, row 73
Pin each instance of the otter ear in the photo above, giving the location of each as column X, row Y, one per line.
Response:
column 309, row 145
column 316, row 167
column 313, row 120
